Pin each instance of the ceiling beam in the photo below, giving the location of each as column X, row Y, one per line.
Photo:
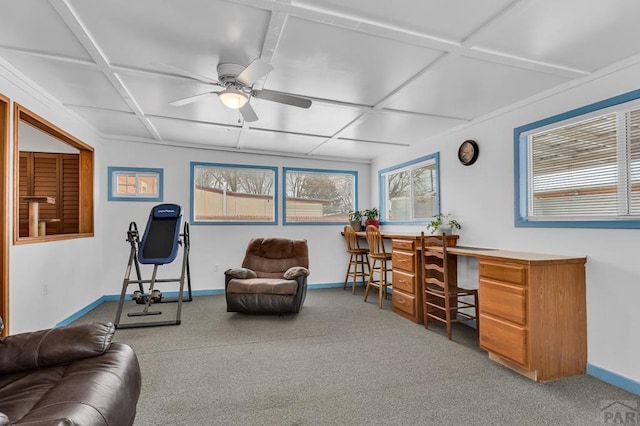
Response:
column 72, row 21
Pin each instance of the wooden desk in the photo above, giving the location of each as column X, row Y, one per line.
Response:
column 34, row 212
column 533, row 315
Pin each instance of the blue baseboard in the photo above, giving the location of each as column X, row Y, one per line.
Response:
column 115, row 297
column 614, row 379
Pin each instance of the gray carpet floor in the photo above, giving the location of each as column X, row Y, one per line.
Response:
column 339, row 362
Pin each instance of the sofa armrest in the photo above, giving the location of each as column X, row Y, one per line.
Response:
column 240, row 273
column 295, row 272
column 54, row 346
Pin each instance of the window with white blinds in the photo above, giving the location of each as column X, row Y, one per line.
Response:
column 583, row 170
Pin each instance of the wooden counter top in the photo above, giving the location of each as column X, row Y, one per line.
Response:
column 514, row 256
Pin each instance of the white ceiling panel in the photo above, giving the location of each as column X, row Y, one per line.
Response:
column 342, row 148
column 70, row 84
column 278, row 142
column 453, row 19
column 34, row 25
column 113, row 122
column 320, row 119
column 575, row 33
column 323, row 61
column 467, row 88
column 191, row 34
column 398, row 128
column 196, row 133
column 380, row 74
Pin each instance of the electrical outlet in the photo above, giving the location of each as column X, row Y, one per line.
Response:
column 45, row 289
column 217, row 268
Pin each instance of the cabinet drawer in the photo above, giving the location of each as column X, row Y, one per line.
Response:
column 503, row 338
column 516, row 274
column 404, row 281
column 503, row 300
column 408, row 245
column 404, row 302
column 403, row 260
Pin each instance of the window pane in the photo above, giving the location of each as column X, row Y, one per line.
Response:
column 399, row 196
column 137, row 184
column 634, row 159
column 424, row 192
column 234, row 194
column 574, row 170
column 319, row 196
column 411, row 191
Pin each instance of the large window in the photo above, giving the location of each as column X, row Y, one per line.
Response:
column 233, row 194
column 319, row 196
column 410, row 191
column 581, row 168
column 134, row 184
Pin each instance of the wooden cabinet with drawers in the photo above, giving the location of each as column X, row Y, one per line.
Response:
column 533, row 314
column 407, row 276
column 407, row 300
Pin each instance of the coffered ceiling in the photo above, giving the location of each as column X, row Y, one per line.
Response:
column 381, row 75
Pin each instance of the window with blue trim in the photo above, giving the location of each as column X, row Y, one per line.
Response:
column 315, row 196
column 233, row 194
column 410, row 192
column 134, row 184
column 581, row 168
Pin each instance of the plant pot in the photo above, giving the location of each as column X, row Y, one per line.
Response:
column 374, row 222
column 356, row 225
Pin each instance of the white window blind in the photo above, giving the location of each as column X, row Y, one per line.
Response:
column 586, row 170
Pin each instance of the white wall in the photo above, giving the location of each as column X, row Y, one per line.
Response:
column 481, row 196
column 211, row 245
column 70, row 269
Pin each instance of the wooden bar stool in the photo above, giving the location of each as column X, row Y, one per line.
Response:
column 379, row 258
column 357, row 257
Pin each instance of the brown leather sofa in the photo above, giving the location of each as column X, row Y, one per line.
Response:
column 70, row 375
column 272, row 280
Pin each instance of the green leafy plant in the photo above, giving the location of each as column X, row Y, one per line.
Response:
column 355, row 216
column 442, row 219
column 371, row 214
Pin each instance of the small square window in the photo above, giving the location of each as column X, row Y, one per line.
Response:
column 134, row 184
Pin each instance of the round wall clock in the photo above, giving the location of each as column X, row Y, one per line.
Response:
column 468, row 152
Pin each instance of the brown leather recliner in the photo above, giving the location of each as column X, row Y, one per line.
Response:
column 70, row 375
column 272, row 280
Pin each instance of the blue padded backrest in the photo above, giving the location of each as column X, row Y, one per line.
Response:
column 159, row 244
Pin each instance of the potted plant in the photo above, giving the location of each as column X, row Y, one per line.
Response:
column 372, row 217
column 355, row 220
column 443, row 223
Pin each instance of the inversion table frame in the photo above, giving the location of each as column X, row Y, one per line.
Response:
column 159, row 246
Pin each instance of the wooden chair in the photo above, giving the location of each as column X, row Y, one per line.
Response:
column 357, row 257
column 444, row 301
column 379, row 257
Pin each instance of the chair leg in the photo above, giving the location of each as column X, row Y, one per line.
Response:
column 346, row 278
column 447, row 314
column 475, row 298
column 381, row 286
column 371, row 271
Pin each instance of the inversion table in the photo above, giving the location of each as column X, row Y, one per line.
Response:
column 159, row 246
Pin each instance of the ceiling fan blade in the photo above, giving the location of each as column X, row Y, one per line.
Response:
column 248, row 113
column 283, row 98
column 190, row 99
column 192, row 75
column 254, row 71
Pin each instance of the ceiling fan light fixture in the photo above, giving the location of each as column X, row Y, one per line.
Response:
column 233, row 98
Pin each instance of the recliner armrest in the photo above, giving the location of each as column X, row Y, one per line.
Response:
column 55, row 346
column 295, row 272
column 240, row 273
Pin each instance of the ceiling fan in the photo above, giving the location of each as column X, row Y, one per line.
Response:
column 236, row 83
